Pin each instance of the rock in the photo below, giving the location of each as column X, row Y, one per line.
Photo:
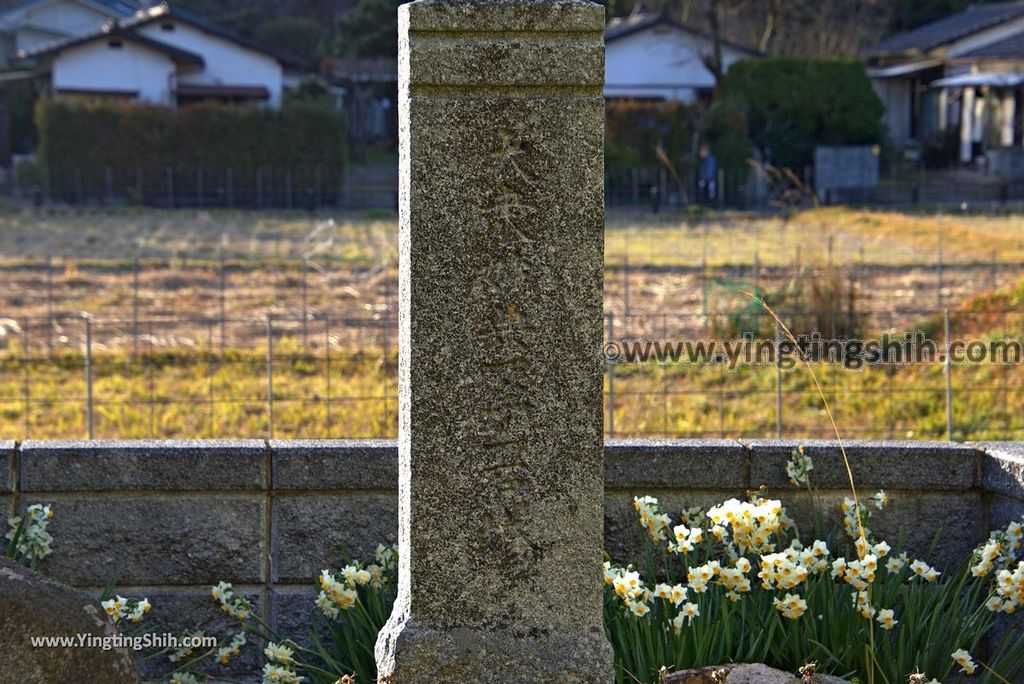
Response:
column 742, row 674
column 34, row 606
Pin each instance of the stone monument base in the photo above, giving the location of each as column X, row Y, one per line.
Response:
column 411, row 653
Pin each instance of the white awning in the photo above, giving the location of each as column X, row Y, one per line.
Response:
column 980, row 79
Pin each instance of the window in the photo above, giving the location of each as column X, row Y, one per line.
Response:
column 114, row 43
column 167, row 26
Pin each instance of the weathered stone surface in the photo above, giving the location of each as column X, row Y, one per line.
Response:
column 194, row 539
column 742, row 674
column 684, row 464
column 178, row 465
column 335, row 464
column 913, row 465
column 914, row 517
column 32, row 605
column 6, row 466
column 292, row 611
column 1003, row 510
column 500, row 420
column 178, row 609
column 623, row 536
column 1002, row 468
column 313, row 533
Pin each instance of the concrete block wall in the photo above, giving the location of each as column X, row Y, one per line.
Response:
column 169, row 519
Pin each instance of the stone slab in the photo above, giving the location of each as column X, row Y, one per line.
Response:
column 292, row 609
column 178, row 609
column 194, row 539
column 7, row 456
column 335, row 464
column 1002, row 468
column 184, row 465
column 884, row 464
column 623, row 536
column 686, row 464
column 1003, row 510
column 311, row 533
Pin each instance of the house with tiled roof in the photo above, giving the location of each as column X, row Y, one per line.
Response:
column 649, row 56
column 962, row 76
column 29, row 24
column 166, row 56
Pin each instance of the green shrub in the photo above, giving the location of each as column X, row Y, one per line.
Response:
column 792, row 105
column 87, row 138
column 634, row 130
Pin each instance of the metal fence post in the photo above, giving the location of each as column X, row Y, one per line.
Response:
column 992, row 272
column 938, row 265
column 88, row 376
column 169, row 183
column 949, row 380
column 135, row 307
column 611, row 379
column 778, row 381
column 625, row 285
column 327, row 371
column 108, row 178
column 25, row 360
column 49, row 303
column 317, row 185
column 720, row 194
column 223, row 304
column 270, row 377
column 305, row 305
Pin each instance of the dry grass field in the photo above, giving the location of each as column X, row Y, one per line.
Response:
column 179, row 338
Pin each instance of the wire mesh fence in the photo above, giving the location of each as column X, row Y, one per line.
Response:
column 329, row 376
column 309, row 188
column 205, row 328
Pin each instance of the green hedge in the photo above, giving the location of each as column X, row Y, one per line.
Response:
column 792, row 105
column 634, row 129
column 89, row 138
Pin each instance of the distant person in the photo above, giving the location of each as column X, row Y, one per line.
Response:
column 707, row 178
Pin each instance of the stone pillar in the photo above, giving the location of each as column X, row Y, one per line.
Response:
column 1007, row 116
column 501, row 120
column 967, row 124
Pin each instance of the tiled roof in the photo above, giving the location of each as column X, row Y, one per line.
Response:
column 1012, row 48
column 112, row 30
column 164, row 11
column 948, row 29
column 124, row 8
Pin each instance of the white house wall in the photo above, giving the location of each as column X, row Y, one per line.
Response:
column 227, row 63
column 661, row 62
column 658, row 63
column 96, row 66
column 895, row 95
